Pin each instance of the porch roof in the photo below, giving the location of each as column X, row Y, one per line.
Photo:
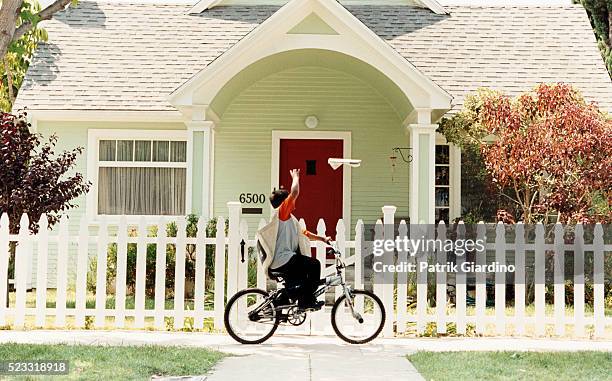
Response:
column 118, row 56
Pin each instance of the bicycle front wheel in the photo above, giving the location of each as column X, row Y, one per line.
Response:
column 250, row 316
column 361, row 323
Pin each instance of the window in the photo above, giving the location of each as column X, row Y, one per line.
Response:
column 442, row 183
column 141, row 176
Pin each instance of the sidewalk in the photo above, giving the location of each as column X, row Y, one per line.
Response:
column 305, row 357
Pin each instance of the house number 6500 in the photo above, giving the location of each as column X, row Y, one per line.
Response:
column 252, row 198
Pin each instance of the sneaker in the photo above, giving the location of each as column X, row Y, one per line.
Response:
column 315, row 306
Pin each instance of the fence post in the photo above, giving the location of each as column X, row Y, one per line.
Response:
column 81, row 275
column 261, row 276
column 101, row 274
column 121, row 273
column 233, row 247
column 243, row 267
column 200, row 274
column 341, row 242
column 540, row 286
column 481, row 280
column 559, row 276
column 460, row 285
column 402, row 279
column 441, row 282
column 41, row 270
column 4, row 259
column 389, row 234
column 318, row 321
column 519, row 278
column 141, row 264
column 219, row 275
column 62, row 275
column 21, row 270
column 579, row 281
column 598, row 282
column 160, row 275
column 179, row 273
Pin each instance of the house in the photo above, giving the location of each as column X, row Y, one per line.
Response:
column 184, row 108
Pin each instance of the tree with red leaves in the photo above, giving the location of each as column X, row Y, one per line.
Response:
column 549, row 151
column 33, row 179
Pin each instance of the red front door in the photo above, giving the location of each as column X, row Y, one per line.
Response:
column 320, row 185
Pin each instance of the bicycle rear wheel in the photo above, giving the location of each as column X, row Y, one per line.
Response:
column 250, row 317
column 366, row 325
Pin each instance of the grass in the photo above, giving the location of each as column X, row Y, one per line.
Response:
column 542, row 366
column 116, row 363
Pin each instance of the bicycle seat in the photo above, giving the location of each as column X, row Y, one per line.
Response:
column 278, row 276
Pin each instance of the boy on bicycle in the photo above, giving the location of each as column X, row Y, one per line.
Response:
column 286, row 246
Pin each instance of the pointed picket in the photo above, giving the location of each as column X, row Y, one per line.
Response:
column 500, row 280
column 519, row 279
column 219, row 302
column 559, row 277
column 41, row 270
column 359, row 255
column 62, row 273
column 402, row 279
column 341, row 243
column 481, row 279
column 21, row 270
column 81, row 274
column 101, row 264
column 200, row 274
column 261, row 276
column 141, row 264
column 388, row 277
column 179, row 274
column 441, row 282
column 579, row 281
column 460, row 285
column 319, row 320
column 540, row 281
column 160, row 275
column 377, row 278
column 121, row 277
column 599, row 317
column 4, row 260
column 419, row 232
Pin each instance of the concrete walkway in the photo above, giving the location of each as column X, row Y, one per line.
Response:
column 306, row 357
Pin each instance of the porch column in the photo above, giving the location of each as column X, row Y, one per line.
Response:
column 422, row 169
column 199, row 167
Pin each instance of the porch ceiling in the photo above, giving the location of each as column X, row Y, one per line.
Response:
column 312, row 58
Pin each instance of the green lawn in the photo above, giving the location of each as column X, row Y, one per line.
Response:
column 541, row 366
column 116, row 363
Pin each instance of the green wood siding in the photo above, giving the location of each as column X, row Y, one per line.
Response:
column 281, row 101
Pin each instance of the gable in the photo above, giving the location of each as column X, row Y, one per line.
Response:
column 312, row 24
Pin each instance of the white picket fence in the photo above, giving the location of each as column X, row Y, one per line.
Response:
column 227, row 248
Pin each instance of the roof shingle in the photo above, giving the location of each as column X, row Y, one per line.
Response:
column 118, row 56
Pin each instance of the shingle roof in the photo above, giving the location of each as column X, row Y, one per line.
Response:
column 118, row 56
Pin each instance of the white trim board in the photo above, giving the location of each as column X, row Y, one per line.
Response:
column 345, row 136
column 95, row 135
column 355, row 39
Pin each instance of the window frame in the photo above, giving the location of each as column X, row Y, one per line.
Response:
column 454, row 179
column 94, row 164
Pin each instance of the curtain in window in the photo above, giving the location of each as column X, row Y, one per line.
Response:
column 142, row 191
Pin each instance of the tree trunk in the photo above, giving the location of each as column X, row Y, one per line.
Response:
column 9, row 11
column 9, row 80
column 610, row 28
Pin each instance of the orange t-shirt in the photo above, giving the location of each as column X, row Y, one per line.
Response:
column 285, row 210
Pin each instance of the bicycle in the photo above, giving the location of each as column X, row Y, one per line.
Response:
column 253, row 315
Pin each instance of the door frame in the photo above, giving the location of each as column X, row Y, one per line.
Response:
column 345, row 136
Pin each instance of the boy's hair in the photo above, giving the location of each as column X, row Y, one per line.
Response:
column 278, row 196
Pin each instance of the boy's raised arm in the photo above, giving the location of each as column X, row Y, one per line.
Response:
column 295, row 184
